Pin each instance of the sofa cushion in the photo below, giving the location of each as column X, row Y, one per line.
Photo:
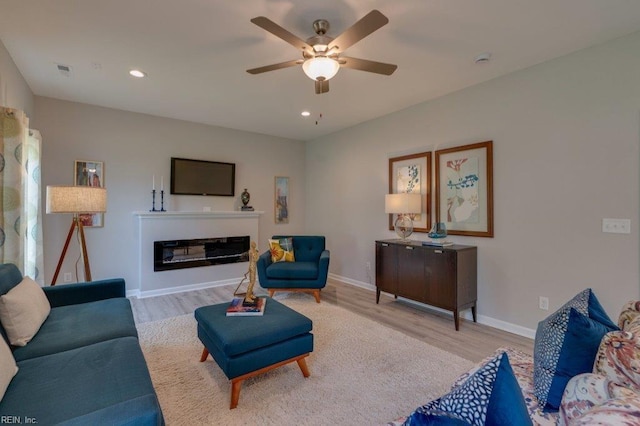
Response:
column 73, row 326
column 10, row 276
column 618, row 358
column 566, row 344
column 295, row 270
column 8, row 367
column 282, row 250
column 489, row 396
column 23, row 309
column 99, row 381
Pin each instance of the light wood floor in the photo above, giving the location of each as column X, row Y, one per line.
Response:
column 473, row 341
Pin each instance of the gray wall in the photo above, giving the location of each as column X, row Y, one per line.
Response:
column 566, row 136
column 14, row 90
column 134, row 147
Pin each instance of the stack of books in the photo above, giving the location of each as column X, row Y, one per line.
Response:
column 236, row 309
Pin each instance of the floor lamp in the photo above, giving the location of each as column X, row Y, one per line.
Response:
column 76, row 200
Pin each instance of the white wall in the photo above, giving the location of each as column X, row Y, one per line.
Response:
column 566, row 139
column 136, row 146
column 14, row 90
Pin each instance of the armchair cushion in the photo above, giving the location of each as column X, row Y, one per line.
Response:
column 298, row 270
column 23, row 310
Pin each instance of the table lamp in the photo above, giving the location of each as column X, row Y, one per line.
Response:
column 76, row 200
column 406, row 206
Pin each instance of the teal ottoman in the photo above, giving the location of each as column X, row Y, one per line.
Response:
column 244, row 347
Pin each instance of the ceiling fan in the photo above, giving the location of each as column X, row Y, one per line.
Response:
column 321, row 54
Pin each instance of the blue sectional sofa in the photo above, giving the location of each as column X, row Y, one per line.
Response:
column 85, row 365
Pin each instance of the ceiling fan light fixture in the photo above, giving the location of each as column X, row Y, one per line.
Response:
column 320, row 68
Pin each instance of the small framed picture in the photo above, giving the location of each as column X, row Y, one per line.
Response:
column 281, row 203
column 412, row 173
column 464, row 189
column 89, row 173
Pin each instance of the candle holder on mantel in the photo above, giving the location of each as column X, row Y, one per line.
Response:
column 153, row 201
column 162, row 201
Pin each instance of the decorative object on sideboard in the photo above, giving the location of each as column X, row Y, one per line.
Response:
column 464, row 189
column 89, row 173
column 406, row 206
column 437, row 236
column 245, row 197
column 412, row 173
column 77, row 200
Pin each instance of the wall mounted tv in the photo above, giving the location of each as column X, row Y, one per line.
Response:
column 199, row 177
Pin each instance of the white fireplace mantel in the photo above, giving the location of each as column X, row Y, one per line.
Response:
column 173, row 225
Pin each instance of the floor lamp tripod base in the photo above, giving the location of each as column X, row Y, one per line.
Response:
column 76, row 222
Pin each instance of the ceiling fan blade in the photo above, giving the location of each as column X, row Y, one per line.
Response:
column 366, row 65
column 275, row 29
column 365, row 26
column 322, row 87
column 274, row 67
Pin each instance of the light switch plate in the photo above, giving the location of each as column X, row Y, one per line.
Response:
column 616, row 226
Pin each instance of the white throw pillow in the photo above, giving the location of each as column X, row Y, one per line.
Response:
column 23, row 310
column 8, row 367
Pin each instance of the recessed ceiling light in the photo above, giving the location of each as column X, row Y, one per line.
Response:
column 305, row 113
column 137, row 73
column 482, row 58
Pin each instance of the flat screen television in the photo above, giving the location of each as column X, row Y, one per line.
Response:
column 199, row 177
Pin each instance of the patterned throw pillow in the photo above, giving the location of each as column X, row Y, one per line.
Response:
column 424, row 417
column 566, row 344
column 489, row 396
column 282, row 250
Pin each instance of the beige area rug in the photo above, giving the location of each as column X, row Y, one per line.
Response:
column 362, row 373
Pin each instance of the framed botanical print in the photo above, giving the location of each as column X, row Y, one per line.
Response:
column 89, row 173
column 281, row 204
column 464, row 189
column 412, row 173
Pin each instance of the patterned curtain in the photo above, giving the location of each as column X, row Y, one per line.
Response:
column 20, row 195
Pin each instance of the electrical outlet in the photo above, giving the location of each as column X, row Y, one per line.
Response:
column 616, row 226
column 68, row 277
column 543, row 303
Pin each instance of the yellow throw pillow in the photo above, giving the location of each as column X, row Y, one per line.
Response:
column 8, row 367
column 23, row 310
column 282, row 250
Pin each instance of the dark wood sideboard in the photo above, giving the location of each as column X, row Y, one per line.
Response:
column 445, row 277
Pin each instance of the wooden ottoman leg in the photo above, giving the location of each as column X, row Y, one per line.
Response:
column 236, row 384
column 302, row 363
column 205, row 354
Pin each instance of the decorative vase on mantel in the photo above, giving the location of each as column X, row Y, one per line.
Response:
column 245, row 197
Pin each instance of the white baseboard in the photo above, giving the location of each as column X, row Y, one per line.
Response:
column 179, row 289
column 482, row 319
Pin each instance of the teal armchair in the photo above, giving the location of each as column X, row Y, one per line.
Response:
column 307, row 274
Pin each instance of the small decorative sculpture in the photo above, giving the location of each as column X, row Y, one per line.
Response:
column 245, row 197
column 439, row 230
column 249, row 297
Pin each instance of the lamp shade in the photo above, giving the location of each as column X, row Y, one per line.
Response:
column 320, row 68
column 76, row 199
column 404, row 203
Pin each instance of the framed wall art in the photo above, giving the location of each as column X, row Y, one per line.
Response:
column 281, row 199
column 89, row 173
column 412, row 173
column 464, row 189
